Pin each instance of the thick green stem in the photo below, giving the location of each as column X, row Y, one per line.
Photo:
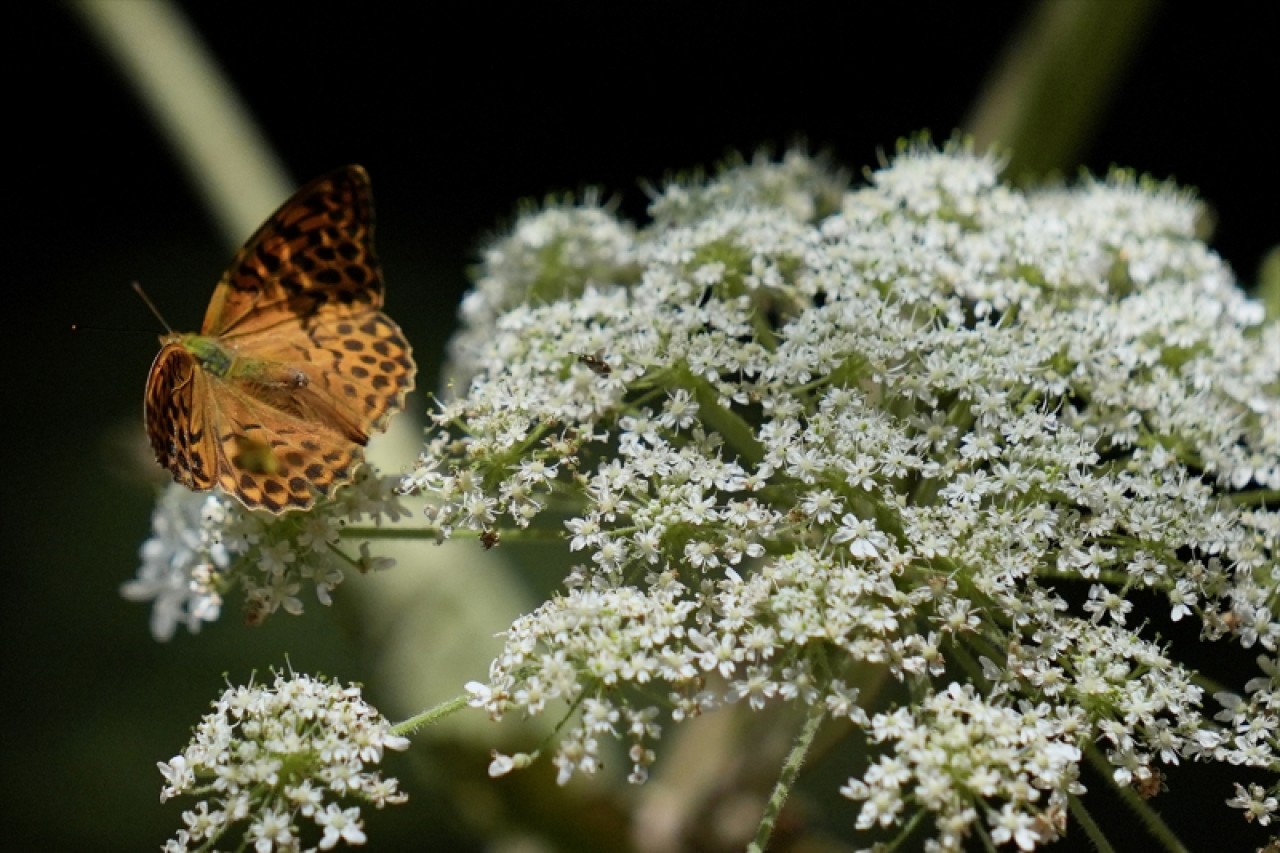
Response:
column 389, row 533
column 209, row 129
column 735, row 431
column 1258, row 497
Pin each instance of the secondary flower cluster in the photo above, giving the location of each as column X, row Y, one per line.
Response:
column 930, row 425
column 278, row 756
column 204, row 544
column 973, row 750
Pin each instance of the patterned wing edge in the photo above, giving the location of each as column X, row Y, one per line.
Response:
column 316, row 249
column 176, row 418
column 374, row 369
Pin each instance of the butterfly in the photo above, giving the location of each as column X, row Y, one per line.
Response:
column 295, row 364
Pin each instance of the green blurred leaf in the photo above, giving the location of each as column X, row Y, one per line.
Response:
column 1046, row 94
column 1269, row 283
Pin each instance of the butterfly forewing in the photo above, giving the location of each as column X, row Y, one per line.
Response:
column 315, row 251
column 295, row 365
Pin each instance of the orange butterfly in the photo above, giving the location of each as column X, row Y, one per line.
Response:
column 295, row 364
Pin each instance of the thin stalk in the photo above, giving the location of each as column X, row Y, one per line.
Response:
column 430, row 716
column 786, row 781
column 1151, row 821
column 1089, row 825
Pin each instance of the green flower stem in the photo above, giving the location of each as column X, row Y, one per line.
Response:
column 971, row 666
column 736, row 432
column 1209, row 685
column 908, row 828
column 1043, row 100
column 433, row 534
column 984, row 837
column 1105, row 576
column 1088, row 824
column 209, row 129
column 1150, row 820
column 430, row 716
column 389, row 533
column 345, row 557
column 790, row 770
column 1269, row 283
column 1259, row 497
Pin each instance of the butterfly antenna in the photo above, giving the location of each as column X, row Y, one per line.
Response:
column 142, row 294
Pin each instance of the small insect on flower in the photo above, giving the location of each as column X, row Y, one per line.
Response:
column 595, row 362
column 1151, row 785
column 295, row 364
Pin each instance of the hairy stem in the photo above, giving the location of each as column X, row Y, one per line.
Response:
column 430, row 716
column 1151, row 821
column 790, row 770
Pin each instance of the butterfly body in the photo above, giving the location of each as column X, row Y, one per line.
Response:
column 295, row 364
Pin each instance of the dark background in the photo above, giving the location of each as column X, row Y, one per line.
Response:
column 456, row 121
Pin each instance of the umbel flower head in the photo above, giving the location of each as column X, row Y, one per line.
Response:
column 933, row 426
column 204, row 544
column 284, row 760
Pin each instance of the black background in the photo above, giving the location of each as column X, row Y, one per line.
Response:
column 457, row 117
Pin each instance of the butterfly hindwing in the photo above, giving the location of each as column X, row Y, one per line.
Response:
column 273, row 460
column 366, row 361
column 177, row 418
column 358, row 366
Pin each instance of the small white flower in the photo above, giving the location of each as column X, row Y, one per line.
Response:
column 340, row 825
column 864, row 539
column 1257, row 802
column 178, row 777
column 501, row 765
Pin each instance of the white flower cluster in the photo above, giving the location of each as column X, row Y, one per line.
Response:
column 204, row 544
column 1250, row 735
column 969, row 750
column 546, row 257
column 796, row 432
column 276, row 756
